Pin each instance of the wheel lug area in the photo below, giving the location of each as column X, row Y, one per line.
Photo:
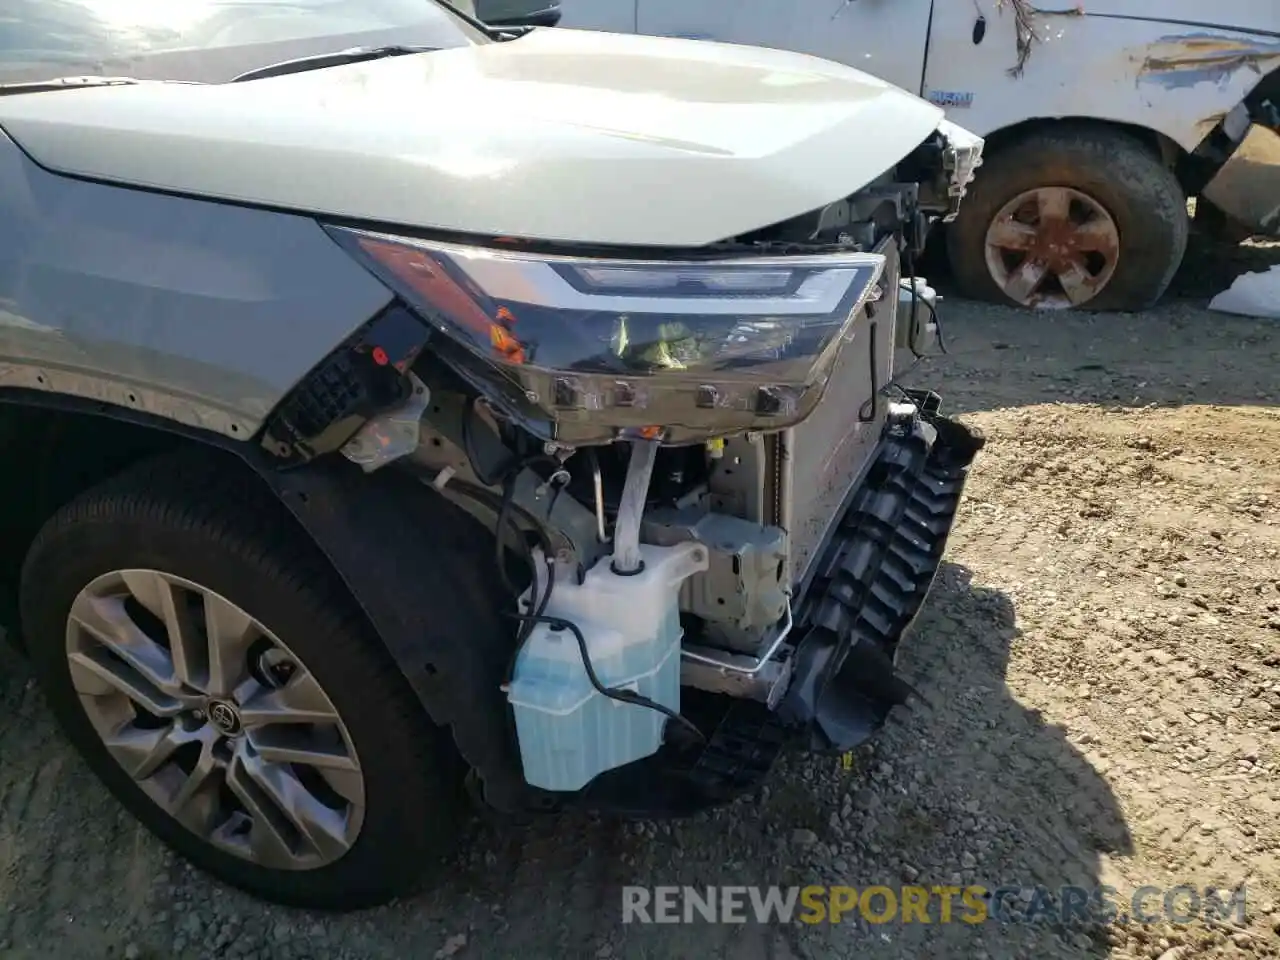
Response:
column 276, row 668
column 224, row 749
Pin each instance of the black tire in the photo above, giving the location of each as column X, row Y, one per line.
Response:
column 206, row 520
column 1120, row 172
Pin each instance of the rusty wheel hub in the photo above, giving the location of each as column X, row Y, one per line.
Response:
column 1052, row 247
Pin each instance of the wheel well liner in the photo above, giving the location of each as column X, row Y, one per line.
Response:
column 404, row 552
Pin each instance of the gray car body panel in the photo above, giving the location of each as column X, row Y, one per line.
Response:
column 199, row 312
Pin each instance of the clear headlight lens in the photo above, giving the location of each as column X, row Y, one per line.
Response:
column 632, row 342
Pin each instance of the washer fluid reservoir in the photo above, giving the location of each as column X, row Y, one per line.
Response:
column 568, row 731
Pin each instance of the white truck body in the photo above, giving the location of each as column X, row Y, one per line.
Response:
column 1174, row 67
column 1177, row 73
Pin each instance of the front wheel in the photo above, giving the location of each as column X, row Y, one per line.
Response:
column 1077, row 217
column 218, row 679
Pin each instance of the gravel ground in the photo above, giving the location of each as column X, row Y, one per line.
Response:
column 1101, row 654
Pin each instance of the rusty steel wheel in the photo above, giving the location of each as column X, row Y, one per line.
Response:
column 1070, row 215
column 1052, row 247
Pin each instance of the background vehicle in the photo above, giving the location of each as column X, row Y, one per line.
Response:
column 511, row 13
column 1100, row 122
column 537, row 13
column 360, row 445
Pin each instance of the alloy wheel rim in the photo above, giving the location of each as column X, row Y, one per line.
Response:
column 1052, row 248
column 215, row 719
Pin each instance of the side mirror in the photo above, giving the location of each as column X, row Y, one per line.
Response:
column 546, row 17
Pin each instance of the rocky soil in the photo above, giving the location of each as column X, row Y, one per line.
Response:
column 1101, row 656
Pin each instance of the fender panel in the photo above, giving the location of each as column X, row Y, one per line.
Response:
column 198, row 312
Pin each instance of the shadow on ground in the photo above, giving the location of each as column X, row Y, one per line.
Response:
column 981, row 789
column 1210, row 265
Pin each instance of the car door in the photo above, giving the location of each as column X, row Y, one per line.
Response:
column 886, row 38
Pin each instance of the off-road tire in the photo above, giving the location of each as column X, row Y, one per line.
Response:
column 1118, row 170
column 205, row 520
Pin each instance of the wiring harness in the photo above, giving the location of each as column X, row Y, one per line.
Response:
column 540, row 560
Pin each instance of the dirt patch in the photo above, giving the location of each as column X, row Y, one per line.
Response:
column 1101, row 655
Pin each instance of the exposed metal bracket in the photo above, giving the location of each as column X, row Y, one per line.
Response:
column 597, row 487
column 764, row 678
column 741, row 664
column 737, row 485
column 768, row 686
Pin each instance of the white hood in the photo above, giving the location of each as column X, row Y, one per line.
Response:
column 560, row 135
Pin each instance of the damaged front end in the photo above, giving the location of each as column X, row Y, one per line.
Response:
column 722, row 509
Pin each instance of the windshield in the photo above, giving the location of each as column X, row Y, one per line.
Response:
column 205, row 41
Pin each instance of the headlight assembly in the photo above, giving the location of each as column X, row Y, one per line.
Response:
column 596, row 349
